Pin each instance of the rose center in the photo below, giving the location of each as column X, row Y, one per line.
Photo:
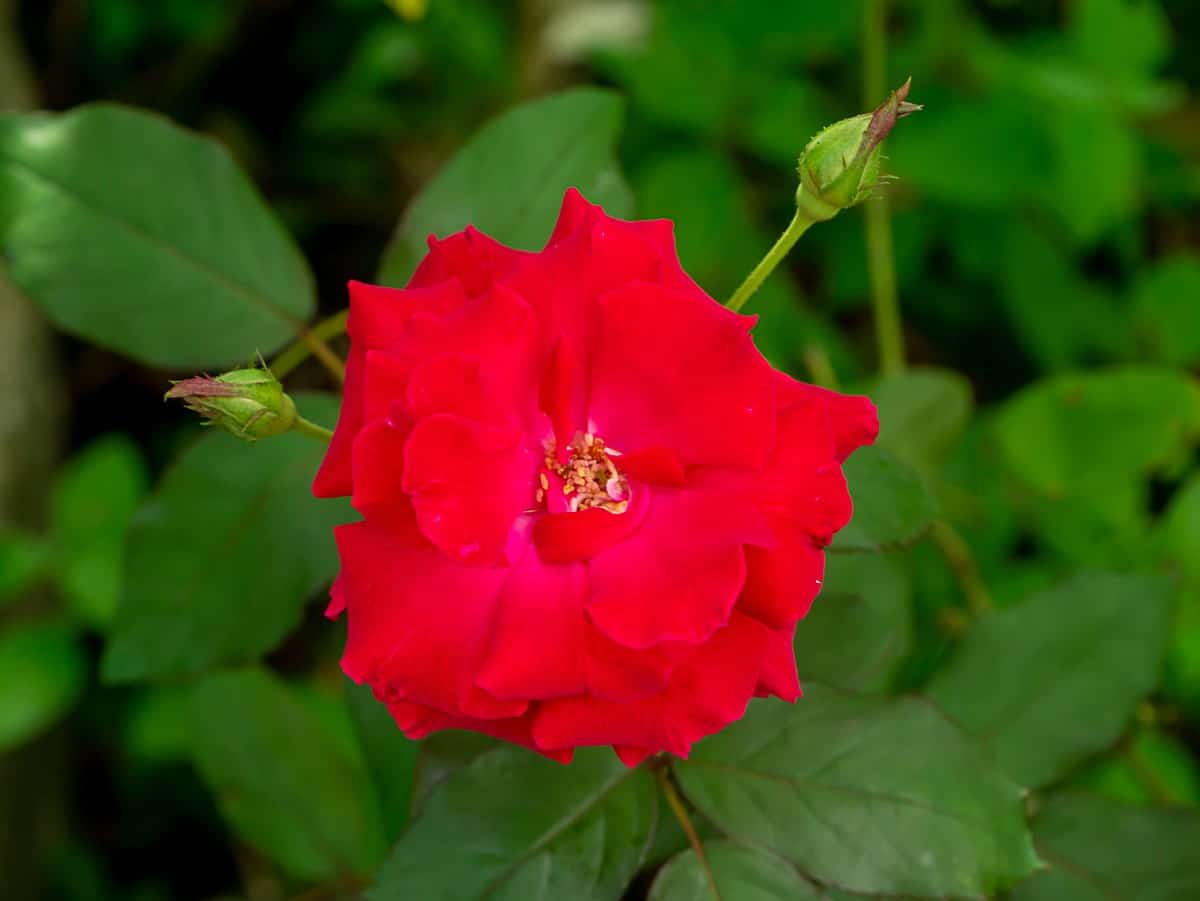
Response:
column 590, row 477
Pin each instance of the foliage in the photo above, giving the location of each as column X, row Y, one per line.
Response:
column 1002, row 673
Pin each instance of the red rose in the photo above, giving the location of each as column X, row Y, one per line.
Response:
column 592, row 512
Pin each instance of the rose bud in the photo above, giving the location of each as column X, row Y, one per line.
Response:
column 592, row 512
column 840, row 166
column 248, row 403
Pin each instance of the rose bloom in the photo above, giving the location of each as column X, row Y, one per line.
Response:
column 592, row 512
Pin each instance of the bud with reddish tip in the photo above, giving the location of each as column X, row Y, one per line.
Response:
column 840, row 166
column 249, row 403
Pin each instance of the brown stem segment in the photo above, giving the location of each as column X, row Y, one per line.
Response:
column 662, row 772
column 312, row 342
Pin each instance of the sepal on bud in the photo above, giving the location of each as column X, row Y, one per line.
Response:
column 248, row 403
column 840, row 166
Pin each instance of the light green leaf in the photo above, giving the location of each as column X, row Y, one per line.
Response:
column 1061, row 318
column 1077, row 660
column 43, row 670
column 1168, row 315
column 892, row 506
column 859, row 627
column 1176, row 541
column 873, row 795
column 225, row 555
column 1084, row 445
column 91, row 505
column 24, row 559
column 1152, row 767
column 515, row 826
column 964, row 152
column 146, row 238
column 509, row 179
column 1101, row 850
column 282, row 777
column 1124, row 35
column 741, row 874
column 922, row 413
column 1097, row 182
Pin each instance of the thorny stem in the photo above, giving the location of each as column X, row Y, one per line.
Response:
column 663, row 773
column 881, row 262
column 798, row 226
column 311, row 429
column 314, row 341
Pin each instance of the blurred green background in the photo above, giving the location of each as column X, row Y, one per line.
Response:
column 1046, row 222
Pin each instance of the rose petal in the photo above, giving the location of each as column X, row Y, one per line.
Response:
column 851, row 421
column 679, row 371
column 470, row 257
column 781, row 582
column 417, row 722
column 678, row 577
column 778, row 674
column 468, row 483
column 707, row 692
column 538, row 644
column 398, row 636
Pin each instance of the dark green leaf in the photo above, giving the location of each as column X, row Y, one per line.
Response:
column 518, row 827
column 224, row 556
column 283, row 777
column 389, row 755
column 93, row 501
column 1101, row 850
column 1077, row 660
column 874, row 795
column 859, row 627
column 143, row 237
column 892, row 507
column 509, row 179
column 741, row 874
column 440, row 756
column 43, row 670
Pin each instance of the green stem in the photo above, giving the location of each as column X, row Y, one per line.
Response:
column 820, row 368
column 311, row 429
column 957, row 553
column 881, row 256
column 1150, row 780
column 798, row 226
column 312, row 341
column 675, row 802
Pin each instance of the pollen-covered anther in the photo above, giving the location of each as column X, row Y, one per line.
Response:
column 589, row 477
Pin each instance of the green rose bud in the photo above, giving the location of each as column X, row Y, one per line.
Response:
column 249, row 403
column 840, row 166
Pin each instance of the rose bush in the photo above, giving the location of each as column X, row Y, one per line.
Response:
column 593, row 513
